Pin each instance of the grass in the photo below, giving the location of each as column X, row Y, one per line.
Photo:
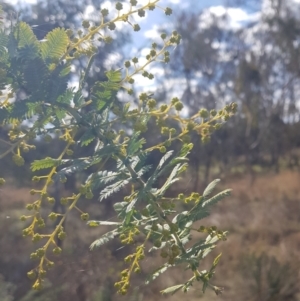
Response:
column 262, row 218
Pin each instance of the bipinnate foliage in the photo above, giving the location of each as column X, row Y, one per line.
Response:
column 34, row 87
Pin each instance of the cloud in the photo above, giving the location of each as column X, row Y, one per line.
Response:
column 112, row 59
column 232, row 17
column 153, row 33
column 15, row 2
column 174, row 1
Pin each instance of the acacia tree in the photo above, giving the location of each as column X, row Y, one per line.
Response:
column 37, row 70
column 45, row 16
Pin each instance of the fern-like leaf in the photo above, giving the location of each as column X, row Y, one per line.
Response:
column 163, row 160
column 28, row 53
column 102, row 223
column 87, row 138
column 171, row 179
column 44, row 163
column 56, row 44
column 65, row 71
column 209, row 189
column 67, row 97
column 20, row 110
column 198, row 214
column 216, row 198
column 35, row 76
column 114, row 75
column 157, row 273
column 76, row 166
column 107, row 149
column 173, row 289
column 104, row 239
column 134, row 144
column 25, row 36
column 109, row 190
column 103, row 177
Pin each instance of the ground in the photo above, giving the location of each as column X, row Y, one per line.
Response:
column 260, row 260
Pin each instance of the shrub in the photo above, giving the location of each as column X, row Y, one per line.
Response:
column 39, row 72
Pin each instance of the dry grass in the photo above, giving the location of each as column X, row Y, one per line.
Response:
column 262, row 218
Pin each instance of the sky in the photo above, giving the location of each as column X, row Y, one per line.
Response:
column 152, row 19
column 157, row 18
column 237, row 17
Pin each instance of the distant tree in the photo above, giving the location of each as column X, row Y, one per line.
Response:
column 256, row 65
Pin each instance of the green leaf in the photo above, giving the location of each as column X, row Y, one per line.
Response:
column 56, row 44
column 128, row 218
column 107, row 150
column 134, row 144
column 198, row 213
column 173, row 289
column 158, row 170
column 163, row 243
column 118, row 207
column 87, row 138
column 180, row 216
column 21, row 110
column 103, row 177
column 61, row 177
column 35, row 76
column 56, row 85
column 163, row 160
column 216, row 198
column 28, row 53
column 84, row 75
column 65, row 71
column 102, row 223
column 100, row 104
column 179, row 159
column 196, row 248
column 76, row 166
column 208, row 190
column 157, row 273
column 25, row 36
column 12, row 45
column 110, row 189
column 185, row 150
column 114, row 76
column 101, row 94
column 44, row 163
column 78, row 98
column 209, row 240
column 3, row 52
column 67, row 97
column 205, row 283
column 60, row 114
column 171, row 179
column 132, row 204
column 216, row 260
column 126, row 108
column 104, row 239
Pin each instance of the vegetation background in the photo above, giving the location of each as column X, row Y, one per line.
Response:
column 254, row 62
